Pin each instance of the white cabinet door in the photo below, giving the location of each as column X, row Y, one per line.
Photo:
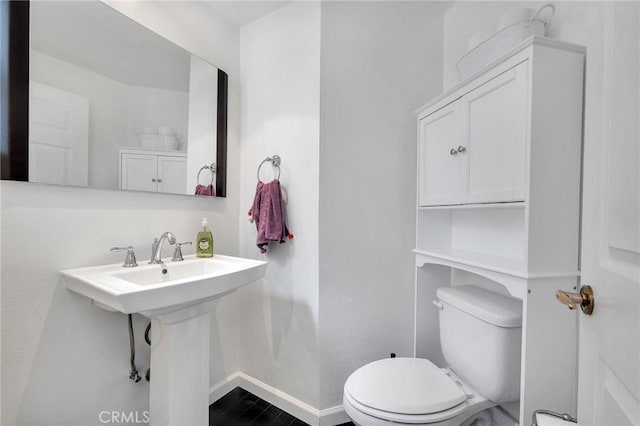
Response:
column 153, row 172
column 439, row 168
column 473, row 149
column 138, row 172
column 496, row 121
column 172, row 174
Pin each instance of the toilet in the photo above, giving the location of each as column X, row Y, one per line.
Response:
column 480, row 336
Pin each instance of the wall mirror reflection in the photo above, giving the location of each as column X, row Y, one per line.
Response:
column 114, row 105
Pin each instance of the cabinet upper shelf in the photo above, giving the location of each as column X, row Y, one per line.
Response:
column 479, row 206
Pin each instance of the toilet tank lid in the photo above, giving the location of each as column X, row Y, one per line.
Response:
column 494, row 308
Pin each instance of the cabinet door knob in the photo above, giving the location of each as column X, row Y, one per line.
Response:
column 453, row 151
column 153, row 179
column 461, row 148
column 159, row 180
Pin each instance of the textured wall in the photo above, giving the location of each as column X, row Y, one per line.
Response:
column 280, row 113
column 376, row 64
column 380, row 61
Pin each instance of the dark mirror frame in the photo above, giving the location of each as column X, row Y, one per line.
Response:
column 14, row 99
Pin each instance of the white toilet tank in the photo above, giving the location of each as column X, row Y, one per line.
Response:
column 481, row 334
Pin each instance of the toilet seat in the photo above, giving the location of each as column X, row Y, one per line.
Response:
column 406, row 390
column 405, row 418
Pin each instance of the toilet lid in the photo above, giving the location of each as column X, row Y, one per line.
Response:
column 404, row 385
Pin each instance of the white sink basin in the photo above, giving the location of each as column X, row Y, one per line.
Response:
column 146, row 290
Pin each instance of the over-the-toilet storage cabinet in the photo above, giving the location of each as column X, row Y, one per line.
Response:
column 154, row 171
column 499, row 173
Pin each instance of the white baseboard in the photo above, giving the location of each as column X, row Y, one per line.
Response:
column 333, row 416
column 222, row 388
column 308, row 414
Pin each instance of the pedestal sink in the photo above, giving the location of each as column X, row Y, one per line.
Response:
column 179, row 303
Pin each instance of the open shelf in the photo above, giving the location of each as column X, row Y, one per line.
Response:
column 464, row 259
column 511, row 273
column 487, row 235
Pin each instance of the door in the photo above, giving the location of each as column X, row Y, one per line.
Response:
column 58, row 136
column 172, row 174
column 497, row 115
column 609, row 364
column 138, row 172
column 440, row 135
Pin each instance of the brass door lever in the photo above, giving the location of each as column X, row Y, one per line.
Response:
column 584, row 299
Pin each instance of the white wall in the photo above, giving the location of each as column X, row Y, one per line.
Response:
column 64, row 361
column 380, row 61
column 280, row 112
column 117, row 111
column 360, row 69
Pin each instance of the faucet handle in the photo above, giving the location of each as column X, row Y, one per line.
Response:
column 177, row 254
column 130, row 259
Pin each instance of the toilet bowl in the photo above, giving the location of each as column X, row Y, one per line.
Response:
column 480, row 333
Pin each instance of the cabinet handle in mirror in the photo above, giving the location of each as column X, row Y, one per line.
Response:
column 453, row 151
column 461, row 148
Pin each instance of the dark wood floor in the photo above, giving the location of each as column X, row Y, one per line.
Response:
column 240, row 407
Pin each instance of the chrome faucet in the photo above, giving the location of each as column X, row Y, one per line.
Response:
column 156, row 254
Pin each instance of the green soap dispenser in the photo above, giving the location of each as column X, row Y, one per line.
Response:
column 204, row 241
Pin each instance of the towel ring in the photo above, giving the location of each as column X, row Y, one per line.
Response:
column 275, row 162
column 211, row 168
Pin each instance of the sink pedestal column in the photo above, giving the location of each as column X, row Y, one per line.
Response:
column 179, row 387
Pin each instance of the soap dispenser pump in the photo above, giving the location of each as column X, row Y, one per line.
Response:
column 204, row 241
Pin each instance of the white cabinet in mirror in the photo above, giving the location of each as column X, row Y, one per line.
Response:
column 118, row 85
column 153, row 171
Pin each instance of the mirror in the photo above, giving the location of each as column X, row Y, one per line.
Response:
column 114, row 105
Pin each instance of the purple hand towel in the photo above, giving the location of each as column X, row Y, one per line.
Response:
column 268, row 212
column 209, row 190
